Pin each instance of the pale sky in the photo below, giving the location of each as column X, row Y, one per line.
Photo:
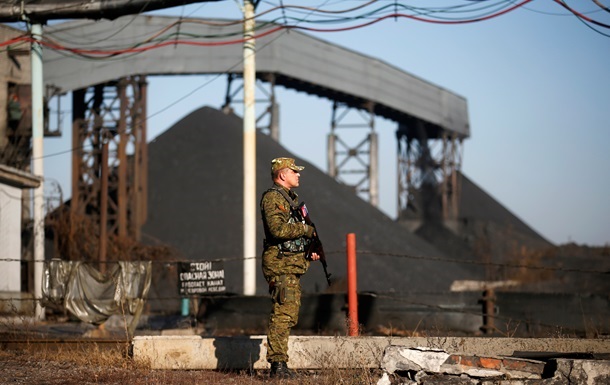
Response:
column 537, row 84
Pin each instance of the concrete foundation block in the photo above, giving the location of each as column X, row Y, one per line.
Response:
column 195, row 352
column 320, row 352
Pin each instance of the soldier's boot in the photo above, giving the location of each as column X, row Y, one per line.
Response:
column 280, row 370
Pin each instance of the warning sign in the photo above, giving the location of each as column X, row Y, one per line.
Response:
column 197, row 278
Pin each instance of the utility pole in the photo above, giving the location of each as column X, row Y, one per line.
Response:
column 249, row 150
column 37, row 164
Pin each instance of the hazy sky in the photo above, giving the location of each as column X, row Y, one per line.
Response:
column 537, row 82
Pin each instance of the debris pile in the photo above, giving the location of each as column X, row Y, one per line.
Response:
column 403, row 365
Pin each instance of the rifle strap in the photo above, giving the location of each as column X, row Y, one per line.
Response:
column 292, row 203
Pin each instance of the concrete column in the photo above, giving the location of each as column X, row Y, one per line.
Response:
column 249, row 151
column 37, row 164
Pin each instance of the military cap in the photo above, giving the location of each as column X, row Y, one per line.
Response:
column 280, row 163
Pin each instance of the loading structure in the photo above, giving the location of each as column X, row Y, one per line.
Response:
column 109, row 108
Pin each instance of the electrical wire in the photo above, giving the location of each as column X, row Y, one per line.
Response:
column 484, row 263
column 240, row 62
column 580, row 15
column 394, row 255
column 165, row 37
column 601, row 5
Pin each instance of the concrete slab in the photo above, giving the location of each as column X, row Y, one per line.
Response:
column 319, row 352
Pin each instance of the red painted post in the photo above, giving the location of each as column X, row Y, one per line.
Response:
column 352, row 292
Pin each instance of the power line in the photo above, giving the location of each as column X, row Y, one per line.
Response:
column 431, row 15
column 395, row 255
column 484, row 263
column 227, row 71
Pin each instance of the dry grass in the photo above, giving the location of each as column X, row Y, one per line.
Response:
column 90, row 364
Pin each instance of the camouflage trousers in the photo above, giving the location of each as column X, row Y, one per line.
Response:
column 286, row 299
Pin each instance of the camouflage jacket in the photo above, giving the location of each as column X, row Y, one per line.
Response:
column 280, row 226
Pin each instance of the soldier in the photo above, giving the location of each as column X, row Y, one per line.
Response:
column 284, row 259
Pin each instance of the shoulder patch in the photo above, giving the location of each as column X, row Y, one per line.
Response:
column 282, row 207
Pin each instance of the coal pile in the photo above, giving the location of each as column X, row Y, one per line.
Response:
column 195, row 207
column 484, row 231
column 487, row 232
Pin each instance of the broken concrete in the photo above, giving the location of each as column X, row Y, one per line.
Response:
column 397, row 358
column 400, row 358
column 428, row 366
column 474, row 366
column 590, row 372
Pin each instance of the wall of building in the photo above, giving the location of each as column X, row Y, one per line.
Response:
column 15, row 68
column 10, row 238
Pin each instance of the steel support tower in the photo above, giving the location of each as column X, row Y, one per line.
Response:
column 267, row 121
column 353, row 156
column 353, row 164
column 109, row 161
column 429, row 160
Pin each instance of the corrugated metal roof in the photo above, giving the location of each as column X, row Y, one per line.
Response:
column 299, row 61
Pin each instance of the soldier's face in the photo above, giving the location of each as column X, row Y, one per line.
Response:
column 291, row 178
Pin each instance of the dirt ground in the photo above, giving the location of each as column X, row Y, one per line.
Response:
column 56, row 353
column 23, row 368
column 83, row 368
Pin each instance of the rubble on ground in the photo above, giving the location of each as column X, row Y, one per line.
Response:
column 428, row 366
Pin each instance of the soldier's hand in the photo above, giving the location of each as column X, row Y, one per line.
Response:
column 315, row 256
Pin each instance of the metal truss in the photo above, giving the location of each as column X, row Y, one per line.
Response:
column 428, row 184
column 109, row 161
column 353, row 157
column 268, row 120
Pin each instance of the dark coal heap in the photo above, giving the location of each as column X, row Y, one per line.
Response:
column 195, row 206
column 196, row 202
column 485, row 230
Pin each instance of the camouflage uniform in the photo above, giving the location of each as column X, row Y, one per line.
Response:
column 284, row 262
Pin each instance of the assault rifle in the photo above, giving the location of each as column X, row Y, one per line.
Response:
column 316, row 244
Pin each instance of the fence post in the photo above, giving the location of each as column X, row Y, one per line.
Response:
column 488, row 300
column 352, row 291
